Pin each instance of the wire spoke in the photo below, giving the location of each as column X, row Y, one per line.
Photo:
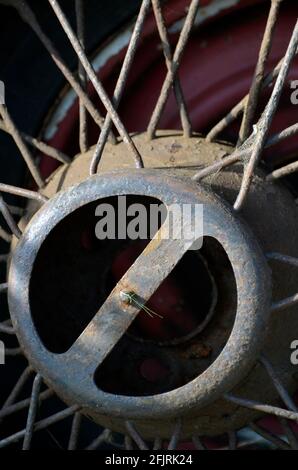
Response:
column 240, row 154
column 265, row 121
column 198, row 443
column 175, row 436
column 122, row 79
column 291, row 436
column 284, row 170
column 254, row 93
column 168, row 82
column 13, row 351
column 8, row 330
column 157, row 445
column 95, row 81
column 239, row 107
column 18, row 386
column 42, row 424
column 29, row 17
column 39, row 145
column 75, row 431
column 17, row 137
column 6, row 188
column 277, row 384
column 80, row 18
column 162, row 29
column 136, row 437
column 9, row 218
column 20, row 405
column 257, row 406
column 103, row 437
column 285, row 303
column 5, row 235
column 3, row 287
column 128, row 444
column 3, row 258
column 32, row 412
column 283, row 258
column 279, row 443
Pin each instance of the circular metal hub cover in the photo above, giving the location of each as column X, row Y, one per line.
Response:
column 71, row 373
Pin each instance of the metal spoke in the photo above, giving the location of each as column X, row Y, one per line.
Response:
column 9, row 218
column 162, row 29
column 75, row 431
column 3, row 258
column 133, row 433
column 95, row 81
column 291, row 436
column 283, row 171
column 157, row 445
column 80, row 17
column 3, row 287
column 8, row 330
column 279, row 443
column 283, row 258
column 17, row 137
column 255, row 405
column 285, row 303
column 18, row 387
column 256, row 86
column 278, row 384
column 128, row 443
column 240, row 154
column 13, row 351
column 39, row 145
column 198, row 443
column 5, row 235
column 103, row 437
column 265, row 121
column 175, row 436
column 29, row 17
column 15, row 210
column 239, row 107
column 168, row 82
column 43, row 424
column 20, row 405
column 32, row 412
column 249, row 152
column 122, row 79
column 6, row 188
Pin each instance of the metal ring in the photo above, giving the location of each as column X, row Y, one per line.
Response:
column 68, row 373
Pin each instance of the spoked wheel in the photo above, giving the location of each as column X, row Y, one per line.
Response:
column 85, row 366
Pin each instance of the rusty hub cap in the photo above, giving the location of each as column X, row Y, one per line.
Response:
column 74, row 366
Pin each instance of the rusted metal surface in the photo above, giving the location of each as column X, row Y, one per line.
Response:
column 257, row 82
column 200, row 405
column 96, row 82
column 264, row 123
column 121, row 82
column 169, row 80
column 70, row 373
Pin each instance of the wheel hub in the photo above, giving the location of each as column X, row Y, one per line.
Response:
column 192, row 384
